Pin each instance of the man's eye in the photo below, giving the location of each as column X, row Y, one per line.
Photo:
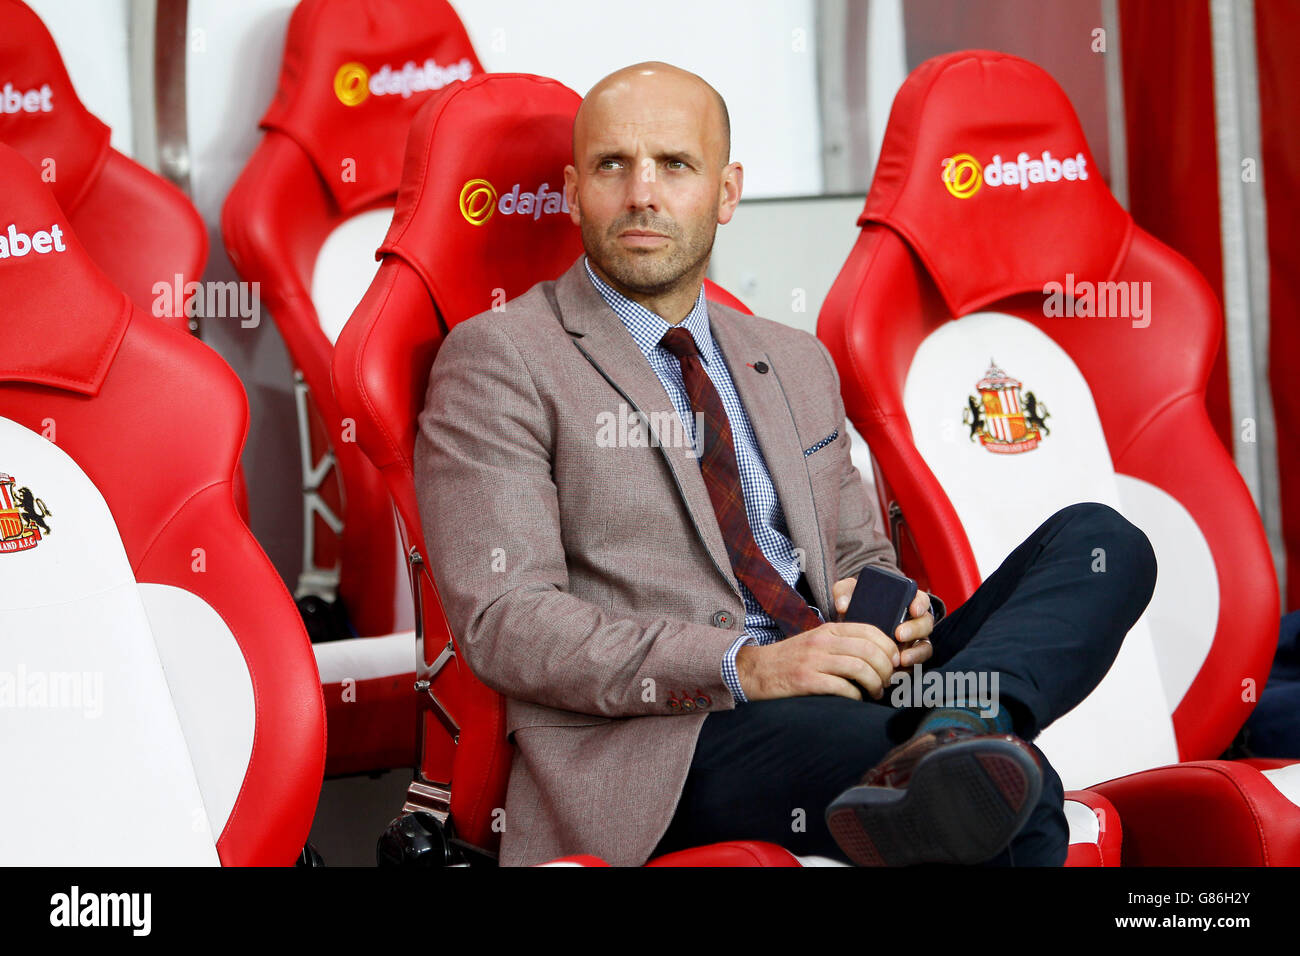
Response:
column 608, row 164
column 680, row 164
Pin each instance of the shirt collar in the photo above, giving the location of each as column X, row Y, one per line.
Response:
column 647, row 327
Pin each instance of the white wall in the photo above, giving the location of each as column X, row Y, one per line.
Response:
column 232, row 66
column 232, row 63
column 781, row 256
column 759, row 54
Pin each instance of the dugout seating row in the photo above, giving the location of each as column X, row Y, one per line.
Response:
column 1135, row 435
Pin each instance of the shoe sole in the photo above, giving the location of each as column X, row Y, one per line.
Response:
column 964, row 804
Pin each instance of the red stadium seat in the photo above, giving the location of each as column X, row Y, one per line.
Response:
column 139, row 228
column 454, row 248
column 326, row 172
column 179, row 718
column 1010, row 342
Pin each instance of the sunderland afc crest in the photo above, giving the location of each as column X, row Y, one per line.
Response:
column 1005, row 419
column 22, row 516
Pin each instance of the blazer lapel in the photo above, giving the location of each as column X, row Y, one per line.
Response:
column 599, row 333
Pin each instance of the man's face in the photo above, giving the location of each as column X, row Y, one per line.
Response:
column 649, row 181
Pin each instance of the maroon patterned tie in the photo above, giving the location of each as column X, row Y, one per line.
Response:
column 722, row 476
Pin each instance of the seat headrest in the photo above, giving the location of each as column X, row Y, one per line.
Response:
column 985, row 173
column 40, row 114
column 353, row 75
column 65, row 318
column 481, row 214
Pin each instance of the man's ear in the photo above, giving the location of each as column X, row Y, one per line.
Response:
column 733, row 182
column 571, row 194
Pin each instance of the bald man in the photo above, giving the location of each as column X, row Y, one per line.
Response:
column 666, row 617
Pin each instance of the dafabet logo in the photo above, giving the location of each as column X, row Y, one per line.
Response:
column 354, row 83
column 15, row 244
column 479, row 199
column 37, row 100
column 963, row 175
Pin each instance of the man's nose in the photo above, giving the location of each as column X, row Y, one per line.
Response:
column 643, row 190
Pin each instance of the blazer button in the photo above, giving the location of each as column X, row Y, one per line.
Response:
column 721, row 619
column 702, row 701
column 674, row 704
column 688, row 703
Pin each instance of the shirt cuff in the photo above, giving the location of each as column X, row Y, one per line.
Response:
column 730, row 676
column 936, row 606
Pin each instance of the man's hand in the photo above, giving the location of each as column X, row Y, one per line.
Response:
column 913, row 633
column 839, row 657
column 829, row 659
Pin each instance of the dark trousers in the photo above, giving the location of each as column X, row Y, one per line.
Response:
column 1049, row 622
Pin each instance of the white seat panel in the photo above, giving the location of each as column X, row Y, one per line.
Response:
column 1184, row 609
column 1082, row 821
column 1287, row 781
column 211, row 690
column 345, row 266
column 1002, row 497
column 86, row 717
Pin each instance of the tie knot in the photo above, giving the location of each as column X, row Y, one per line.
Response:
column 680, row 342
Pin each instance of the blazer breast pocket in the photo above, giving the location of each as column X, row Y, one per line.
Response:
column 818, row 446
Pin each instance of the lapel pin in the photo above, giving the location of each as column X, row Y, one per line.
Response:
column 759, row 367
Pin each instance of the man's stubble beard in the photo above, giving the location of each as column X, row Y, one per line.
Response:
column 647, row 273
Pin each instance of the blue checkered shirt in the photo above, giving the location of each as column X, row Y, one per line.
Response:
column 766, row 519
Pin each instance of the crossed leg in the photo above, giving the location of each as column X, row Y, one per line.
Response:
column 1048, row 621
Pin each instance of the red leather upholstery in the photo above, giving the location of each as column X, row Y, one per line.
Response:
column 939, row 241
column 738, row 853
column 371, row 724
column 1203, row 812
column 331, row 150
column 137, row 227
column 439, row 267
column 81, row 355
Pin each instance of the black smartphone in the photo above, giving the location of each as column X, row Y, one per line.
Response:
column 881, row 598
